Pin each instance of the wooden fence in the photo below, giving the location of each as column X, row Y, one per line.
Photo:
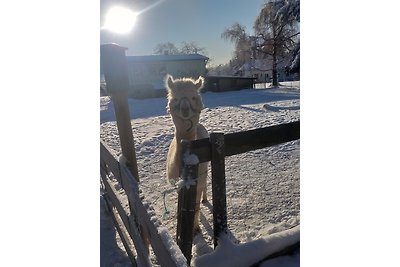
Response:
column 137, row 224
column 215, row 149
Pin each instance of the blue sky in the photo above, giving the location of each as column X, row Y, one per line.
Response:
column 182, row 20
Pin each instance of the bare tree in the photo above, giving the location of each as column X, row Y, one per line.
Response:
column 172, row 49
column 168, row 47
column 191, row 48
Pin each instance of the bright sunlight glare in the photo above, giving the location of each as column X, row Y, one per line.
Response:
column 120, row 20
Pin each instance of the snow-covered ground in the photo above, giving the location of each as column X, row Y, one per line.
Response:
column 263, row 186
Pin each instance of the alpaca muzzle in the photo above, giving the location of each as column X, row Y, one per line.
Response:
column 185, row 112
column 185, row 109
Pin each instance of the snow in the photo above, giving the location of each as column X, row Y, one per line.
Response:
column 180, row 259
column 112, row 251
column 185, row 184
column 231, row 255
column 263, row 186
column 190, row 159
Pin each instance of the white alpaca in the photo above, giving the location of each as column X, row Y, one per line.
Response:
column 185, row 105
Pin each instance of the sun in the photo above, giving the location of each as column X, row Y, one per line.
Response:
column 120, row 20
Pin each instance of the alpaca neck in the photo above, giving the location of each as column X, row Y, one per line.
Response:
column 183, row 135
column 185, row 129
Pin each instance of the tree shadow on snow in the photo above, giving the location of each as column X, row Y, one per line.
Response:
column 152, row 107
column 110, row 252
column 247, row 97
column 277, row 109
column 251, row 109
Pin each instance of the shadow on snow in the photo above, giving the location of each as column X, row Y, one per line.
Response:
column 152, row 107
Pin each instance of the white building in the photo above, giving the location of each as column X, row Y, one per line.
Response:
column 147, row 73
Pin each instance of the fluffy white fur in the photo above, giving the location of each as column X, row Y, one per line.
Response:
column 184, row 106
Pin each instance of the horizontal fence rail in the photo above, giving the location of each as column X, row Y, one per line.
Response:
column 241, row 142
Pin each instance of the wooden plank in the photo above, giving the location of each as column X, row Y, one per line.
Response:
column 109, row 157
column 114, row 66
column 115, row 200
column 187, row 198
column 241, row 142
column 124, row 126
column 237, row 143
column 178, row 216
column 113, row 61
column 163, row 254
column 220, row 224
column 122, row 232
column 187, row 204
column 202, row 148
column 128, row 223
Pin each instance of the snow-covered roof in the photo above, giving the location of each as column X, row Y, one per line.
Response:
column 153, row 58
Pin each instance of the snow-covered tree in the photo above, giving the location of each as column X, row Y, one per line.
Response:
column 277, row 30
column 295, row 65
column 276, row 36
column 237, row 34
column 221, row 69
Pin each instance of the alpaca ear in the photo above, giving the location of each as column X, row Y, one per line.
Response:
column 199, row 83
column 169, row 82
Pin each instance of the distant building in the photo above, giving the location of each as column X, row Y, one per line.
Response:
column 147, row 73
column 261, row 69
column 228, row 83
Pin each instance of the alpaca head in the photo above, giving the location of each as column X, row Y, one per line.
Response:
column 184, row 101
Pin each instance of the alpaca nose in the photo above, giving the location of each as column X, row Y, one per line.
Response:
column 185, row 109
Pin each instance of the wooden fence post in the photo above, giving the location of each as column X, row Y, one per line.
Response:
column 113, row 64
column 220, row 224
column 186, row 203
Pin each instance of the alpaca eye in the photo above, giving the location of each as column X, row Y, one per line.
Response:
column 194, row 98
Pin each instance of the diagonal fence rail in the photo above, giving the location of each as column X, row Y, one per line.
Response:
column 137, row 217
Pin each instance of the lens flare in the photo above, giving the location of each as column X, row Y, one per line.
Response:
column 120, row 20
